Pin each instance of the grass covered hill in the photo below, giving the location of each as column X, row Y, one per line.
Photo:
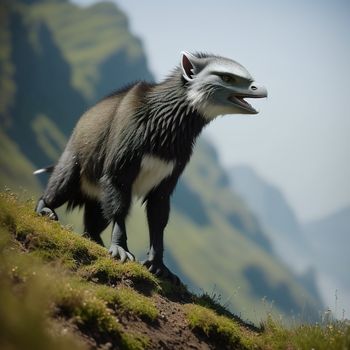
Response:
column 62, row 291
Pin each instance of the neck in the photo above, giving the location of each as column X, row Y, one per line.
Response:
column 172, row 124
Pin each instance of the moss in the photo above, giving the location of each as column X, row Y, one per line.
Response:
column 86, row 309
column 91, row 308
column 220, row 329
column 60, row 291
column 107, row 270
column 128, row 300
column 47, row 239
column 212, row 302
column 134, row 342
column 121, row 299
column 25, row 298
column 274, row 336
column 50, row 241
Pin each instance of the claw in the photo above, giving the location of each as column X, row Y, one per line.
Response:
column 130, row 256
column 43, row 210
column 160, row 270
column 120, row 253
column 151, row 268
column 49, row 213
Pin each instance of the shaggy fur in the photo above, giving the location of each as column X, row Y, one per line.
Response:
column 137, row 141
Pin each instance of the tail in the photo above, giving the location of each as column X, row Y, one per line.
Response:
column 48, row 169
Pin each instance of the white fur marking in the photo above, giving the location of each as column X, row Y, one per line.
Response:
column 89, row 188
column 198, row 100
column 39, row 171
column 153, row 171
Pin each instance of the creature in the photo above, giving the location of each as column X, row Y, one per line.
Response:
column 137, row 142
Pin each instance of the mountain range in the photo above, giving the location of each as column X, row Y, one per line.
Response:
column 329, row 239
column 274, row 212
column 319, row 247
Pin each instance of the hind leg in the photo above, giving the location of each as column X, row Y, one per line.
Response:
column 63, row 185
column 94, row 221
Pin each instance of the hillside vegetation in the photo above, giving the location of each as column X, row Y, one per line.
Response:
column 60, row 291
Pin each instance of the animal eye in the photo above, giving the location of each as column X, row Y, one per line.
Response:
column 228, row 79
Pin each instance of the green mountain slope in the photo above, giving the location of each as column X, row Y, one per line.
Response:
column 43, row 106
column 62, row 58
column 15, row 169
column 97, row 43
column 61, row 291
column 56, row 60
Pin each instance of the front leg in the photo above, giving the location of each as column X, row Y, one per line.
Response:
column 116, row 203
column 158, row 208
column 119, row 248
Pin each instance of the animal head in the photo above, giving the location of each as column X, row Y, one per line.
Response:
column 218, row 85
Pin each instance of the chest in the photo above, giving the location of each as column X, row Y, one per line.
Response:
column 153, row 170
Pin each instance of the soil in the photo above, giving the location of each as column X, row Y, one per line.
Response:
column 170, row 331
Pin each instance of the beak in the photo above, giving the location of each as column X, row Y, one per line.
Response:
column 257, row 91
column 254, row 91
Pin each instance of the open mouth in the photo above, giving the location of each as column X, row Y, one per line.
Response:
column 240, row 101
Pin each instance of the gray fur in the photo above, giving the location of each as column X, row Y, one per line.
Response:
column 138, row 141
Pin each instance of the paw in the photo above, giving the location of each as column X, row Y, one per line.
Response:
column 48, row 213
column 118, row 252
column 160, row 270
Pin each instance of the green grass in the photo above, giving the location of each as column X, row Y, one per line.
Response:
column 51, row 242
column 50, row 276
column 57, row 284
column 128, row 300
column 90, row 307
column 108, row 271
column 218, row 329
column 334, row 335
column 230, row 335
column 23, row 297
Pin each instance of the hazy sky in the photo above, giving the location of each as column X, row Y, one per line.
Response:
column 301, row 51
